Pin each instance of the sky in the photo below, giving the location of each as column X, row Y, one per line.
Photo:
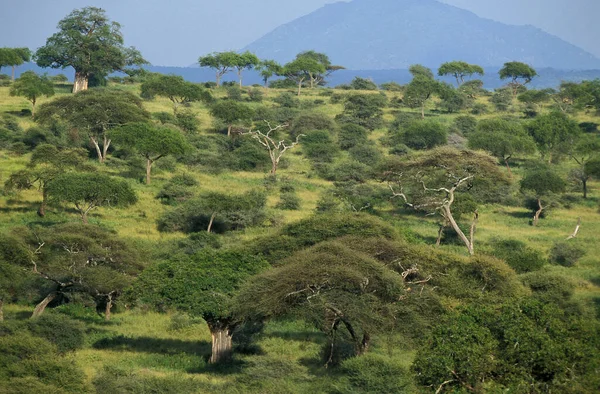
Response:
column 177, row 32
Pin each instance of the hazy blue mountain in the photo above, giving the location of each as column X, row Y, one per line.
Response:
column 393, row 34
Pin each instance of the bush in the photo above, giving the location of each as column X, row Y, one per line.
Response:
column 288, row 201
column 359, row 83
column 164, row 117
column 479, row 109
column 549, row 287
column 465, row 124
column 518, row 255
column 187, row 121
column 351, row 135
column 349, row 171
column 287, row 100
column 372, row 373
column 256, row 95
column 366, row 154
column 308, row 122
column 318, row 146
column 177, row 190
column 67, row 334
column 566, row 253
column 425, row 134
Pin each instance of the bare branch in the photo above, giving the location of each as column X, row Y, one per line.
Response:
column 577, row 228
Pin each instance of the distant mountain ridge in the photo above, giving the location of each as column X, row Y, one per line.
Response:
column 393, row 34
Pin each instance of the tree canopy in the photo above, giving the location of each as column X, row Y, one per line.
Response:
column 460, row 70
column 90, row 43
column 32, row 86
column 520, row 74
column 175, row 88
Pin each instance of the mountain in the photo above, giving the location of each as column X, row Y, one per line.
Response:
column 393, row 34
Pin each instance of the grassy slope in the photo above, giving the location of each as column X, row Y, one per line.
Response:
column 154, row 349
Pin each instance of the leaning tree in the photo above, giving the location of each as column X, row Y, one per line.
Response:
column 91, row 44
column 94, row 112
column 433, row 181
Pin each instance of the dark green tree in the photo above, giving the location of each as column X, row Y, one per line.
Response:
column 421, row 88
column 317, row 76
column 232, row 113
column 88, row 191
column 14, row 57
column 583, row 151
column 520, row 74
column 303, row 68
column 31, row 86
column 268, row 69
column 460, row 70
column 150, row 141
column 553, row 134
column 175, row 88
column 542, row 182
column 221, row 62
column 245, row 61
column 95, row 112
column 90, row 43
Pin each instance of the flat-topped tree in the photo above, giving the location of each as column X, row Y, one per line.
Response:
column 232, row 113
column 88, row 191
column 301, row 69
column 32, row 86
column 201, row 284
column 152, row 142
column 268, row 69
column 317, row 77
column 245, row 61
column 46, row 163
column 585, row 151
column 175, row 88
column 90, row 43
column 460, row 70
column 14, row 57
column 94, row 112
column 520, row 74
column 421, row 88
column 221, row 62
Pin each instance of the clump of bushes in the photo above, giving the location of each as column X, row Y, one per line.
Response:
column 177, row 190
column 566, row 253
column 518, row 255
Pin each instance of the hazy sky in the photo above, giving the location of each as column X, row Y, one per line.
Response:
column 177, row 32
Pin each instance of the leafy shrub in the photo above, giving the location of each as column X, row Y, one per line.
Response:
column 234, row 92
column 391, row 87
column 256, row 95
column 187, row 121
column 364, row 109
column 308, row 122
column 164, row 117
column 479, row 109
column 518, row 255
column 566, row 253
column 549, row 287
column 349, row 171
column 318, row 146
column 465, row 124
column 359, row 83
column 351, row 135
column 287, row 100
column 67, row 334
column 372, row 373
column 113, row 380
column 425, row 134
column 288, row 201
column 366, row 154
column 177, row 190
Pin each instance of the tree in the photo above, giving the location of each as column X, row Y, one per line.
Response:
column 222, row 62
column 32, row 86
column 81, row 258
column 501, row 138
column 46, row 163
column 553, row 133
column 533, row 98
column 95, row 112
column 88, row 191
column 14, row 57
column 276, row 148
column 519, row 73
column 421, row 88
column 317, row 76
column 331, row 285
column 584, row 150
column 150, row 141
column 175, row 88
column 454, row 173
column 364, row 110
column 269, row 68
column 201, row 284
column 90, row 43
column 303, row 68
column 542, row 181
column 245, row 61
column 459, row 70
column 423, row 135
column 232, row 113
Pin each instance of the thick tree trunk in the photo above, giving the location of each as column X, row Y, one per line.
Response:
column 108, row 308
column 1, row 309
column 41, row 307
column 229, row 130
column 148, row 170
column 42, row 209
column 81, row 82
column 240, row 78
column 13, row 73
column 274, row 166
column 468, row 243
column 84, row 217
column 210, row 223
column 538, row 213
column 222, row 345
column 218, row 79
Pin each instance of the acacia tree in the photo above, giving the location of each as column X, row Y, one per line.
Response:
column 303, row 68
column 201, row 284
column 268, row 69
column 245, row 61
column 502, row 138
column 95, row 112
column 452, row 172
column 31, row 86
column 14, row 57
column 46, row 163
column 520, row 74
column 553, row 133
column 317, row 77
column 276, row 148
column 88, row 191
column 421, row 88
column 460, row 70
column 232, row 113
column 90, row 43
column 221, row 62
column 81, row 258
column 542, row 182
column 150, row 141
column 331, row 285
column 175, row 88
column 584, row 150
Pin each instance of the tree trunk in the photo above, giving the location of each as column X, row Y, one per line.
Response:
column 423, row 111
column 584, row 182
column 222, row 345
column 1, row 310
column 109, row 305
column 274, row 166
column 81, row 82
column 299, row 87
column 218, row 79
column 13, row 73
column 97, row 147
column 438, row 241
column 507, row 166
column 33, row 107
column 105, row 145
column 148, row 170
column 240, row 78
column 42, row 209
column 462, row 236
column 41, row 307
column 210, row 223
column 538, row 213
column 229, row 130
column 84, row 218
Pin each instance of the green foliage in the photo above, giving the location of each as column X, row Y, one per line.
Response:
column 518, row 255
column 232, row 112
column 175, row 88
column 550, row 288
column 542, row 181
column 359, row 83
column 150, row 141
column 31, row 86
column 234, row 93
column 366, row 154
column 501, row 99
column 177, row 190
column 516, row 71
column 459, row 70
column 553, row 132
column 287, row 100
column 371, row 373
column 231, row 212
column 466, row 124
column 425, row 134
column 310, row 121
column 502, row 138
column 319, row 146
column 351, row 135
column 364, row 110
column 90, row 43
column 65, row 333
column 289, row 201
column 566, row 253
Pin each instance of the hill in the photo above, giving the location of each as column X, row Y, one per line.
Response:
column 393, row 34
